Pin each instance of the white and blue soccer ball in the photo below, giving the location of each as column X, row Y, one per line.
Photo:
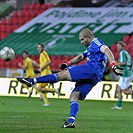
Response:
column 7, row 54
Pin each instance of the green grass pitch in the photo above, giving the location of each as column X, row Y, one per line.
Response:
column 27, row 115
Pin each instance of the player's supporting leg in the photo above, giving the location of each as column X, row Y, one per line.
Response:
column 119, row 102
column 43, row 94
column 45, row 99
column 74, row 107
column 126, row 91
column 70, row 123
column 36, row 88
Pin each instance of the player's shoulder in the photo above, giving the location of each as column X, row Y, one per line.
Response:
column 43, row 52
column 98, row 42
column 123, row 52
column 26, row 59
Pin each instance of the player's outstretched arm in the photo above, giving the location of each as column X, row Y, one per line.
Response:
column 75, row 60
column 116, row 69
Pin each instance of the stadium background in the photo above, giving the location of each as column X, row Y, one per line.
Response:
column 23, row 24
column 56, row 24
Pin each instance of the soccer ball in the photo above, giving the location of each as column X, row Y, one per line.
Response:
column 7, row 53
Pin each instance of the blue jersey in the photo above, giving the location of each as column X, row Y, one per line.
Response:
column 89, row 74
column 95, row 58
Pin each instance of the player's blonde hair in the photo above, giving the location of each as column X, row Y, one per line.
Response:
column 86, row 33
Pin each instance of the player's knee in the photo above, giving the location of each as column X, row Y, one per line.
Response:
column 74, row 96
column 63, row 75
column 126, row 91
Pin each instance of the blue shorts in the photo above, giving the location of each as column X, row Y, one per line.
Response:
column 84, row 77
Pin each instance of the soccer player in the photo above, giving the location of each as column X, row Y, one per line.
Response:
column 124, row 61
column 27, row 65
column 44, row 68
column 86, row 75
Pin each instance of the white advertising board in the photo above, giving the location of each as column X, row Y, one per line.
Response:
column 105, row 90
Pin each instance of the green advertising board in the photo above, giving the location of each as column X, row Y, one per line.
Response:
column 58, row 29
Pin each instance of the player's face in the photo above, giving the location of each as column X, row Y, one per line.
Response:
column 24, row 55
column 85, row 40
column 119, row 47
column 40, row 48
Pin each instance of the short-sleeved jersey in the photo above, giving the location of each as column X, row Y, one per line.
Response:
column 43, row 59
column 95, row 58
column 29, row 67
column 125, row 57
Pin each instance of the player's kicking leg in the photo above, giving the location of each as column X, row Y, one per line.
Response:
column 50, row 78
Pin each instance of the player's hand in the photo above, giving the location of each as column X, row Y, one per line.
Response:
column 40, row 69
column 64, row 65
column 116, row 69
